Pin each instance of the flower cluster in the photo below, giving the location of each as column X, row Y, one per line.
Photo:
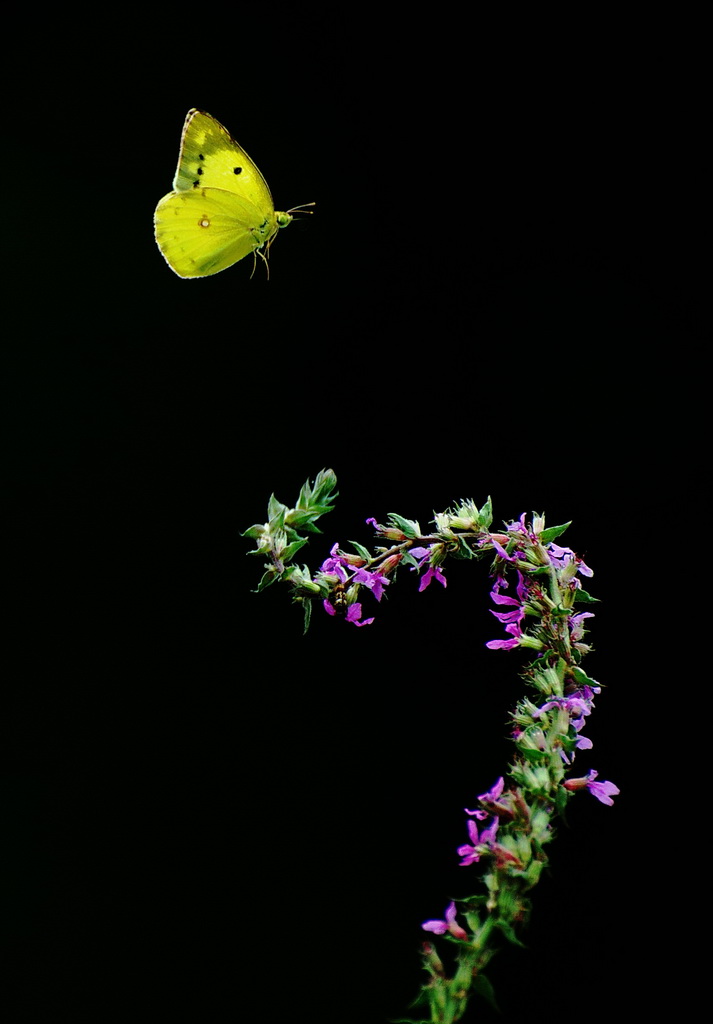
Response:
column 536, row 585
column 345, row 573
column 511, row 619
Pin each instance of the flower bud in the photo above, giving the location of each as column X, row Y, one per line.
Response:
column 350, row 559
column 390, row 564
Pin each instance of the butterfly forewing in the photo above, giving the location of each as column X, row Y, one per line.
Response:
column 210, row 157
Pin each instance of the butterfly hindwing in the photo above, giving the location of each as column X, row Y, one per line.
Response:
column 202, row 231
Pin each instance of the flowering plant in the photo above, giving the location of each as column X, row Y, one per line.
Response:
column 536, row 589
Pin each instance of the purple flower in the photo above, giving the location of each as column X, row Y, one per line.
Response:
column 501, row 551
column 374, row 581
column 449, row 925
column 490, row 797
column 502, row 584
column 507, row 645
column 354, row 615
column 389, row 532
column 578, row 707
column 433, row 573
column 502, row 645
column 603, row 791
column 421, row 554
column 560, row 557
column 477, row 813
column 589, row 691
column 518, row 526
column 516, row 616
column 512, row 618
column 575, row 624
column 480, row 843
column 335, row 564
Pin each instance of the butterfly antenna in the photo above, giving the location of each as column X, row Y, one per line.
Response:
column 302, row 208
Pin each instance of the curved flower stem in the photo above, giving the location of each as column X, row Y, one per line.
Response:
column 536, row 585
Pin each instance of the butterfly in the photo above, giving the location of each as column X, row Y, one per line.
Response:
column 220, row 209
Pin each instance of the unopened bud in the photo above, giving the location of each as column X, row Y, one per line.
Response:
column 350, row 559
column 390, row 564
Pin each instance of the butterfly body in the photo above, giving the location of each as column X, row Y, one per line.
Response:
column 220, row 209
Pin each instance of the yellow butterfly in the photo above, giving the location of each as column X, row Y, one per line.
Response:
column 221, row 208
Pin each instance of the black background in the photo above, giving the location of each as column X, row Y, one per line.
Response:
column 501, row 291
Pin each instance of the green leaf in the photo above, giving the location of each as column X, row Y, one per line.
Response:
column 321, row 492
column 325, row 483
column 275, row 508
column 255, row 531
column 302, row 519
column 509, row 932
column 269, row 577
column 582, row 597
column 305, row 495
column 292, row 549
column 410, row 527
column 553, row 531
column 562, row 799
column 361, row 550
column 533, row 756
column 466, row 548
column 582, row 679
column 485, row 514
column 485, row 990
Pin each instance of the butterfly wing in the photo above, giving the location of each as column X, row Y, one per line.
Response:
column 201, row 231
column 210, row 158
